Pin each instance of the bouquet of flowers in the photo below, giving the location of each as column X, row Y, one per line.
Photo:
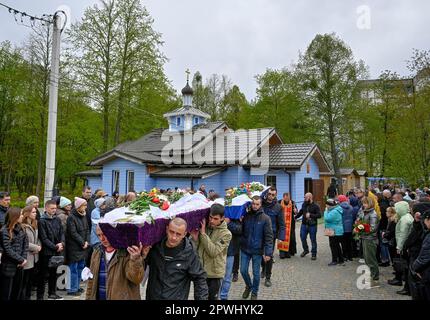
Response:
column 176, row 195
column 247, row 188
column 361, row 228
column 153, row 198
column 146, row 218
column 239, row 198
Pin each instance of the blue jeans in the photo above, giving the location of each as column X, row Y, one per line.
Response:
column 312, row 231
column 244, row 265
column 75, row 275
column 226, row 282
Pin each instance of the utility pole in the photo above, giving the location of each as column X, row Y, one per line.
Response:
column 53, row 102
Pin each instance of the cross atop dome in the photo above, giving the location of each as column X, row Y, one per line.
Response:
column 186, row 117
column 187, row 92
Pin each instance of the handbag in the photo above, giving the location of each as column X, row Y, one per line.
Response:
column 55, row 261
column 400, row 264
column 8, row 269
column 329, row 232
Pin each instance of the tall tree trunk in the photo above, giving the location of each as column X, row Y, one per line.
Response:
column 120, row 106
column 384, row 152
column 106, row 102
column 60, row 184
column 119, row 119
column 106, row 122
column 335, row 157
column 9, row 179
column 29, row 185
column 73, row 183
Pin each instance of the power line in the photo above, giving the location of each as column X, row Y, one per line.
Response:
column 150, row 113
column 32, row 18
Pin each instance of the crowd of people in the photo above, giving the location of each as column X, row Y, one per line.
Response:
column 398, row 236
column 33, row 245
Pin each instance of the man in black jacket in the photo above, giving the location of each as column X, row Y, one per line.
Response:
column 256, row 243
column 421, row 265
column 86, row 194
column 52, row 237
column 382, row 250
column 413, row 245
column 310, row 212
column 173, row 264
column 4, row 206
column 273, row 209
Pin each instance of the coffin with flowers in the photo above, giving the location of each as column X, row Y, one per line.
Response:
column 238, row 199
column 145, row 220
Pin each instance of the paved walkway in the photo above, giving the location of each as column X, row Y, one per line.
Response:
column 303, row 279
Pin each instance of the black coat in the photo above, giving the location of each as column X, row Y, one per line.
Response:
column 383, row 205
column 276, row 215
column 90, row 207
column 313, row 209
column 14, row 250
column 76, row 236
column 421, row 206
column 50, row 233
column 422, row 263
column 390, row 234
column 3, row 211
column 235, row 227
column 332, row 191
column 170, row 280
column 414, row 241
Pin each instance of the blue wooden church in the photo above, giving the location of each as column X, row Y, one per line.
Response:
column 194, row 151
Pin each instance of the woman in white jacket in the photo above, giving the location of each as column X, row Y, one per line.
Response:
column 403, row 228
column 404, row 224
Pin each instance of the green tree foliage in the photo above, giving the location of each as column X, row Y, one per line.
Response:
column 115, row 53
column 279, row 105
column 235, row 104
column 219, row 98
column 410, row 143
column 24, row 122
column 328, row 74
column 112, row 88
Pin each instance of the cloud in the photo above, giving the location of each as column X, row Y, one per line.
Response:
column 241, row 38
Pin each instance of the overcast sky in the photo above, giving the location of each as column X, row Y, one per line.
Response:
column 242, row 38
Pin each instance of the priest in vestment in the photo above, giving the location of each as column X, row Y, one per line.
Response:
column 287, row 248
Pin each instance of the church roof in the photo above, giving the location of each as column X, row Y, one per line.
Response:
column 238, row 147
column 90, row 173
column 186, row 110
column 190, row 172
column 149, row 147
column 293, row 156
column 346, row 172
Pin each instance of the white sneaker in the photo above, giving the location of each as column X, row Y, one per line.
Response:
column 361, row 261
